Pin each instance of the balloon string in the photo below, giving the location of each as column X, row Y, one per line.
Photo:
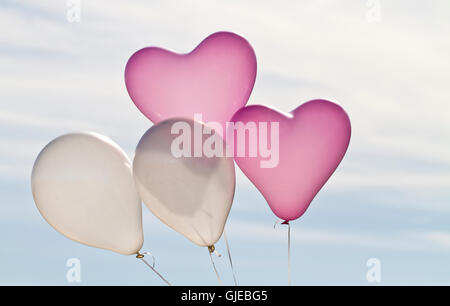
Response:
column 214, row 266
column 229, row 257
column 151, row 266
column 289, row 253
column 288, row 247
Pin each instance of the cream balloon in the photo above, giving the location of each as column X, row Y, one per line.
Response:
column 83, row 186
column 192, row 195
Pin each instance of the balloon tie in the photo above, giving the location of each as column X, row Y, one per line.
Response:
column 229, row 257
column 151, row 266
column 212, row 250
column 288, row 247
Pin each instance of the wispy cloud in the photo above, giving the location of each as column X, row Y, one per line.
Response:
column 362, row 66
column 425, row 241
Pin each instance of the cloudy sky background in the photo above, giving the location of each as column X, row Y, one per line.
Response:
column 389, row 199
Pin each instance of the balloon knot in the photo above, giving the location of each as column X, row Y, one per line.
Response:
column 139, row 255
column 211, row 248
column 285, row 222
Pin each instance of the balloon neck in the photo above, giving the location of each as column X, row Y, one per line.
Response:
column 285, row 222
column 212, row 250
column 139, row 255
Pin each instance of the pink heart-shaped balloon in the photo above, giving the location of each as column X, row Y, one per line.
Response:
column 312, row 141
column 214, row 80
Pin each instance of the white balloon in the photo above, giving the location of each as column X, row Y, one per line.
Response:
column 83, row 186
column 192, row 195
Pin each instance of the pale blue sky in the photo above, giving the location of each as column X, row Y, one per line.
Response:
column 389, row 199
